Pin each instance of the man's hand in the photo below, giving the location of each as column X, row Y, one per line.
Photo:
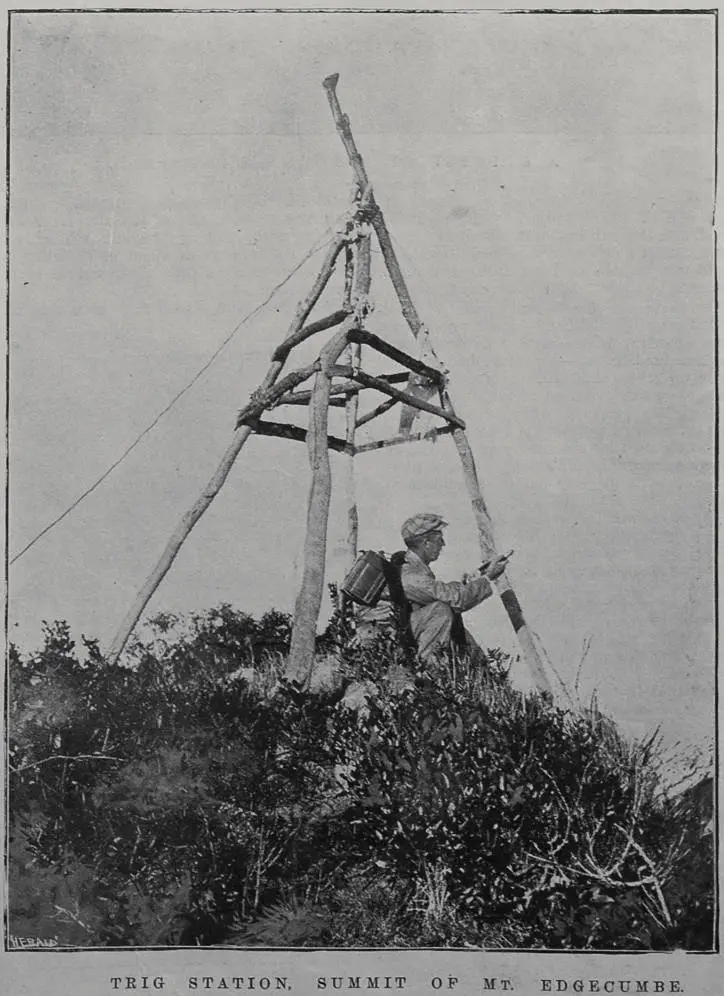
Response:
column 495, row 567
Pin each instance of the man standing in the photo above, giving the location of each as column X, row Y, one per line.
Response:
column 436, row 606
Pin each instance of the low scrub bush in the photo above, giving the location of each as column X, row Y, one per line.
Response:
column 192, row 795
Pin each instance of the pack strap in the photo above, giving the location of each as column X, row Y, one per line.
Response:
column 403, row 608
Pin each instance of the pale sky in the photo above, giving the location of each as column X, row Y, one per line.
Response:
column 549, row 182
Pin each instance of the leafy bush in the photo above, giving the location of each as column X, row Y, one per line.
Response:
column 192, row 795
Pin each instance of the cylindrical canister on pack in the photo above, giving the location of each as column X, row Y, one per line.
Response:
column 366, row 579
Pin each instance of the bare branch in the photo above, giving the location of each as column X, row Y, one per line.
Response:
column 654, row 877
column 584, row 653
column 569, row 820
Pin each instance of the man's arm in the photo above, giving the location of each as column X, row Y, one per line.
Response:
column 421, row 587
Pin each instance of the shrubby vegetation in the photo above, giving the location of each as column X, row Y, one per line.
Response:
column 193, row 796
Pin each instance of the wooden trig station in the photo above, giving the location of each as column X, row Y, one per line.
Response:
column 338, row 379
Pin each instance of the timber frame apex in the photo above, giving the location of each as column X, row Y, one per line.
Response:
column 339, row 380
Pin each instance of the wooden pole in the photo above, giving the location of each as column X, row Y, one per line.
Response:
column 485, row 535
column 309, row 599
column 375, row 214
column 348, row 271
column 359, row 292
column 217, row 480
column 351, row 405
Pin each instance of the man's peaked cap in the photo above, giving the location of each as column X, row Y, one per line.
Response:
column 421, row 524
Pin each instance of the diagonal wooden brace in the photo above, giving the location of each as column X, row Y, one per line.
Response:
column 376, row 412
column 404, row 359
column 345, row 388
column 409, row 399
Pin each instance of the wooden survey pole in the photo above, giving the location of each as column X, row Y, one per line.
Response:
column 241, row 434
column 482, row 518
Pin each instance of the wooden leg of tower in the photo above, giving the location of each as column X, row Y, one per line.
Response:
column 531, row 657
column 482, row 519
column 173, row 546
column 309, row 599
column 485, row 529
column 470, row 474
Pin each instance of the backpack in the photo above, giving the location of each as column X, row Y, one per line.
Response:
column 371, row 574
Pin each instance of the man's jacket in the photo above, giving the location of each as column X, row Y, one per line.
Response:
column 436, row 604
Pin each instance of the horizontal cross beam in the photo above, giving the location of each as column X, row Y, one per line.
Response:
column 415, row 437
column 404, row 359
column 295, row 432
